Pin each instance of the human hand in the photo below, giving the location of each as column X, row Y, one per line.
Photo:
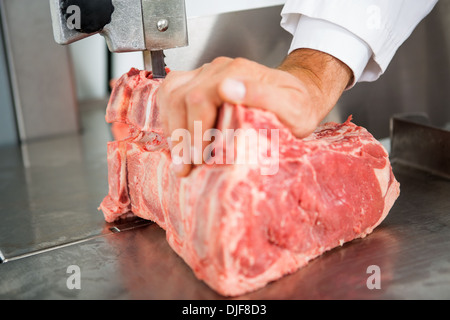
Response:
column 300, row 92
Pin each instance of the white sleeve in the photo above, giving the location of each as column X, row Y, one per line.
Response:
column 364, row 34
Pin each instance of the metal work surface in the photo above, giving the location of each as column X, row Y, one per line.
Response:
column 410, row 248
column 50, row 189
column 50, row 222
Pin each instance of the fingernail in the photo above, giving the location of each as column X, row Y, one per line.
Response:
column 234, row 90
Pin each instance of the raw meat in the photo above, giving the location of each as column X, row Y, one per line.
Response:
column 236, row 228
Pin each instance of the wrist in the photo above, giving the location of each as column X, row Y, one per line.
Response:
column 325, row 76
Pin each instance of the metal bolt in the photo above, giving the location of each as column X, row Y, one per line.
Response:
column 163, row 25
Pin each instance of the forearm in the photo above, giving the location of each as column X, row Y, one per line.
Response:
column 328, row 75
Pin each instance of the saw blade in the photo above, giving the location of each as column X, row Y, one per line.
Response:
column 155, row 61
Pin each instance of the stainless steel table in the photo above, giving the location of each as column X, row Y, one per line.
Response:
column 50, row 191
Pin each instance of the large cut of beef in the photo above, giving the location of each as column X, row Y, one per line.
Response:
column 238, row 228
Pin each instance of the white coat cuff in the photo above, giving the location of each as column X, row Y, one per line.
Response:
column 332, row 39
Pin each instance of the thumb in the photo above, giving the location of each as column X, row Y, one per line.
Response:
column 287, row 103
column 256, row 94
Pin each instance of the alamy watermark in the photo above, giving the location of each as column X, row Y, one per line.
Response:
column 244, row 146
column 374, row 280
column 374, row 17
column 74, row 280
column 74, row 18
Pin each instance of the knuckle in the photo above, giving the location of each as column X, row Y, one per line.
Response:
column 169, row 84
column 302, row 129
column 298, row 132
column 241, row 60
column 170, row 76
column 240, row 63
column 220, row 60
